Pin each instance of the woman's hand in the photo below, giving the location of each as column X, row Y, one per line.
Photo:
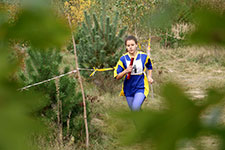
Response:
column 150, row 80
column 129, row 69
column 149, row 74
column 126, row 71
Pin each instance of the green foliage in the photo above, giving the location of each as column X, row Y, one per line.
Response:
column 17, row 113
column 210, row 27
column 100, row 41
column 45, row 65
column 181, row 120
column 170, row 12
column 30, row 25
column 164, row 17
column 207, row 20
column 19, row 110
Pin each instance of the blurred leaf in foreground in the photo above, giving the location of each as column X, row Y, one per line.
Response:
column 18, row 121
column 20, row 111
column 168, row 13
column 182, row 120
column 210, row 27
column 37, row 23
column 207, row 20
column 17, row 110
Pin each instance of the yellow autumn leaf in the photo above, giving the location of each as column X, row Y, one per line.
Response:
column 66, row 4
column 76, row 9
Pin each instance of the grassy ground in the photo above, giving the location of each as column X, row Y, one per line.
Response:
column 195, row 68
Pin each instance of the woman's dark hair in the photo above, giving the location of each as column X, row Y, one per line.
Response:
column 131, row 37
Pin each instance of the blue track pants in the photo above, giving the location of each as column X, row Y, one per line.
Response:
column 135, row 102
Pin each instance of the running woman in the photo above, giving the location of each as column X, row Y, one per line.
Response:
column 136, row 88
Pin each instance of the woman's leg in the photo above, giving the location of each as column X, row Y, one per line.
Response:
column 137, row 101
column 130, row 101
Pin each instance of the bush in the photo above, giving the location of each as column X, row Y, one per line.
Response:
column 45, row 65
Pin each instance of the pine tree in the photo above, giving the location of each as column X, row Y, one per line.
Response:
column 45, row 65
column 100, row 41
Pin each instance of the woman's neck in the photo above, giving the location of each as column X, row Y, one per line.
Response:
column 133, row 55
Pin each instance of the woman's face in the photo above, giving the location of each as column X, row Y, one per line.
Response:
column 131, row 46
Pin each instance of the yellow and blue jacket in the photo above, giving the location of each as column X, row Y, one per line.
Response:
column 138, row 81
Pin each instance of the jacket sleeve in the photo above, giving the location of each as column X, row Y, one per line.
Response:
column 119, row 67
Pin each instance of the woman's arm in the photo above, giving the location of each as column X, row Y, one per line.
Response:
column 149, row 73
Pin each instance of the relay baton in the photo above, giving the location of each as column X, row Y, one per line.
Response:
column 131, row 63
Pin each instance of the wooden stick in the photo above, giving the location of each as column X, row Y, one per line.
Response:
column 81, row 85
column 68, row 125
column 149, row 54
column 59, row 113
